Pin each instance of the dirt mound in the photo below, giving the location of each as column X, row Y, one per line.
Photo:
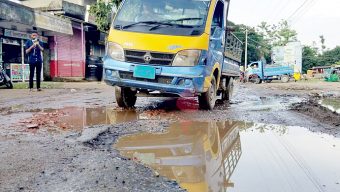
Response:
column 312, row 108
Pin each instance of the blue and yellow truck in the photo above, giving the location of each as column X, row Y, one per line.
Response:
column 173, row 47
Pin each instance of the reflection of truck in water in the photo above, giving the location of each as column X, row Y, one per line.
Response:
column 201, row 156
column 172, row 47
column 258, row 72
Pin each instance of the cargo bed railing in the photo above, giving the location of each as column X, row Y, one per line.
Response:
column 234, row 47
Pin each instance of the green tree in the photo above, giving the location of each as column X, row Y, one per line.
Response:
column 257, row 47
column 277, row 35
column 103, row 13
column 329, row 57
column 323, row 45
column 309, row 58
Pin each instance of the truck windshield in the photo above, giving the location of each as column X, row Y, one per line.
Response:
column 171, row 17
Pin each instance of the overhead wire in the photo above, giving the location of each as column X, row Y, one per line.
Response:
column 298, row 9
column 281, row 10
column 303, row 12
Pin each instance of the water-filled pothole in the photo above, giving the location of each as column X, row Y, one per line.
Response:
column 238, row 156
column 332, row 104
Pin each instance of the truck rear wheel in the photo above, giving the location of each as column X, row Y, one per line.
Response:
column 208, row 99
column 285, row 78
column 228, row 93
column 125, row 97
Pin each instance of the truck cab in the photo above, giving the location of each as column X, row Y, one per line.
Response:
column 172, row 47
column 258, row 72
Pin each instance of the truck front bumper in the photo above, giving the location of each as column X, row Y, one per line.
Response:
column 181, row 81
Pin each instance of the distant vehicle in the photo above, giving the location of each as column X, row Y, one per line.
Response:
column 174, row 48
column 332, row 74
column 4, row 79
column 258, row 73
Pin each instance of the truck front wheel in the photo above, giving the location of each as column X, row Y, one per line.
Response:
column 125, row 97
column 285, row 78
column 208, row 99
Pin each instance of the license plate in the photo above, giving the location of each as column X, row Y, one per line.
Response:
column 146, row 72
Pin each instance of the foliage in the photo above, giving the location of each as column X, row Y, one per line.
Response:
column 103, row 13
column 329, row 57
column 257, row 46
column 277, row 35
column 263, row 38
column 309, row 58
column 44, row 85
column 322, row 40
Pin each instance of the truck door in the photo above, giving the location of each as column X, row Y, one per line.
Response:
column 217, row 34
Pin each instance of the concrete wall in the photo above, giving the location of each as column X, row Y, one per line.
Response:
column 46, row 3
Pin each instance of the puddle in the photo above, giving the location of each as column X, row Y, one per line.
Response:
column 77, row 118
column 238, row 156
column 332, row 104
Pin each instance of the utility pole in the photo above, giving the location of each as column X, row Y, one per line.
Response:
column 246, row 51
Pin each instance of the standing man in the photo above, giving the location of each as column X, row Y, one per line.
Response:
column 34, row 51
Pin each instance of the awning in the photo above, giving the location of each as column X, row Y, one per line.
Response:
column 53, row 23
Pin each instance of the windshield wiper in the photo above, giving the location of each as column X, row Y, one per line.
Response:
column 160, row 23
column 141, row 22
column 185, row 19
column 169, row 24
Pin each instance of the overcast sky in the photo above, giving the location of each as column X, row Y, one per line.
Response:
column 317, row 17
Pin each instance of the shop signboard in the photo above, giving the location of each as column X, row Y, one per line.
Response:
column 22, row 35
column 19, row 72
column 10, row 42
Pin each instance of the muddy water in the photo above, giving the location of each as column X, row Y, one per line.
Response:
column 332, row 104
column 77, row 118
column 238, row 156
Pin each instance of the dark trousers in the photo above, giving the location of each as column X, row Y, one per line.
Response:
column 37, row 66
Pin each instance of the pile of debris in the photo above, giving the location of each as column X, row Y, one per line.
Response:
column 44, row 119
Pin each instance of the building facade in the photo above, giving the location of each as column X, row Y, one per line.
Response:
column 16, row 23
column 66, row 53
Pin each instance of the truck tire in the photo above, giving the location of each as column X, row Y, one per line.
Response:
column 125, row 97
column 228, row 93
column 255, row 79
column 284, row 78
column 207, row 100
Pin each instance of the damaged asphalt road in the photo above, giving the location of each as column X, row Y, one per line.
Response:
column 76, row 145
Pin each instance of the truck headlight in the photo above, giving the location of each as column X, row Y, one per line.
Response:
column 115, row 51
column 187, row 58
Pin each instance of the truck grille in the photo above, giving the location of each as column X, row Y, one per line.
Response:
column 147, row 57
column 159, row 79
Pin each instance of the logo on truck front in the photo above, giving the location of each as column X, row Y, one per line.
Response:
column 147, row 58
column 173, row 47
